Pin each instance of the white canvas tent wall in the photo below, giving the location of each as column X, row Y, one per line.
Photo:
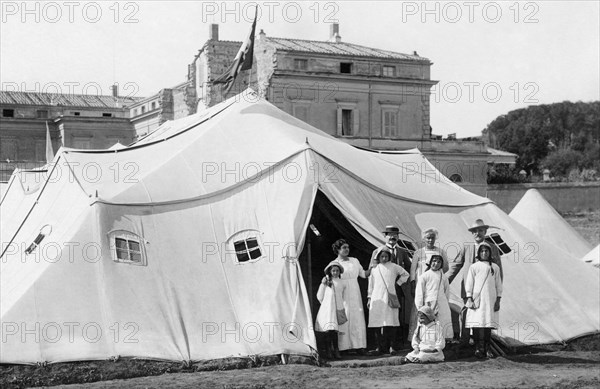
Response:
column 243, row 168
column 535, row 213
column 593, row 257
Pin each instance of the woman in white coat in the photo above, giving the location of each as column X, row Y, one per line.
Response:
column 382, row 315
column 483, row 287
column 433, row 290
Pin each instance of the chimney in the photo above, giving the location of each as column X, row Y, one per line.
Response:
column 213, row 33
column 261, row 34
column 334, row 30
column 115, row 90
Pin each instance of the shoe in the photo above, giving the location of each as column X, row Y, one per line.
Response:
column 403, row 360
column 394, row 352
column 375, row 353
column 479, row 354
column 490, row 354
column 361, row 351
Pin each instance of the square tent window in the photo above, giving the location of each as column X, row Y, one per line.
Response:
column 496, row 240
column 127, row 248
column 247, row 249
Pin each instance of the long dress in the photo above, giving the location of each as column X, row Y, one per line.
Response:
column 433, row 290
column 484, row 287
column 331, row 299
column 355, row 336
column 427, row 337
column 381, row 282
column 420, row 259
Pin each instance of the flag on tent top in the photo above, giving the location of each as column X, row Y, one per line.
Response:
column 242, row 60
column 49, row 151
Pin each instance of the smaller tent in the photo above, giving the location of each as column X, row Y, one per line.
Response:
column 593, row 257
column 537, row 215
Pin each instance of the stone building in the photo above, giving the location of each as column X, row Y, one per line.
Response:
column 78, row 121
column 371, row 98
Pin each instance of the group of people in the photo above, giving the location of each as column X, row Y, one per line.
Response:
column 408, row 300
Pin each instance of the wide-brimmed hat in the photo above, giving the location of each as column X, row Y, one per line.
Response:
column 478, row 224
column 428, row 311
column 391, row 230
column 332, row 264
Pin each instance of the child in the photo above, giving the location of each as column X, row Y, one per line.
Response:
column 331, row 296
column 383, row 311
column 428, row 339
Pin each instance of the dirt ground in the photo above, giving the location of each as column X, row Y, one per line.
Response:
column 576, row 365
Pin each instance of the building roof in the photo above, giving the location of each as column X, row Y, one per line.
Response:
column 65, row 100
column 339, row 48
column 499, row 156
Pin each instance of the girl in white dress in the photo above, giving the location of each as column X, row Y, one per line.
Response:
column 382, row 316
column 420, row 263
column 483, row 287
column 331, row 296
column 433, row 290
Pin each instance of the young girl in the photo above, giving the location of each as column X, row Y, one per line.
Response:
column 331, row 296
column 483, row 286
column 382, row 316
column 428, row 340
column 433, row 290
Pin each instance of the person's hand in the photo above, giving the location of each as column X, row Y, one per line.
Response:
column 497, row 305
column 417, row 350
column 369, row 303
column 324, row 281
column 469, row 303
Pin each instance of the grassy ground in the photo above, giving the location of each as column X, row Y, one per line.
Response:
column 587, row 224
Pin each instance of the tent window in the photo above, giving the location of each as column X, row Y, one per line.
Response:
column 127, row 247
column 247, row 249
column 44, row 231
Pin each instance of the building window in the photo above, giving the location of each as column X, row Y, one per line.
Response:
column 347, row 119
column 300, row 64
column 8, row 150
column 153, row 105
column 107, row 115
column 135, row 112
column 346, row 122
column 143, row 108
column 456, row 178
column 127, row 247
column 76, row 113
column 44, row 231
column 8, row 113
column 42, row 114
column 346, row 67
column 390, row 123
column 389, row 71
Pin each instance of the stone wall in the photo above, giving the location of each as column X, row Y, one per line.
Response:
column 564, row 197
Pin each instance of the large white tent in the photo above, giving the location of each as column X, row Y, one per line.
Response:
column 184, row 245
column 593, row 257
column 535, row 213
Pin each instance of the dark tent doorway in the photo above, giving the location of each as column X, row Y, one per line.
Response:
column 327, row 224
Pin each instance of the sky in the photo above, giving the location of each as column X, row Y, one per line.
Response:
column 489, row 57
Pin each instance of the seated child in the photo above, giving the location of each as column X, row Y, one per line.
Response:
column 331, row 296
column 428, row 339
